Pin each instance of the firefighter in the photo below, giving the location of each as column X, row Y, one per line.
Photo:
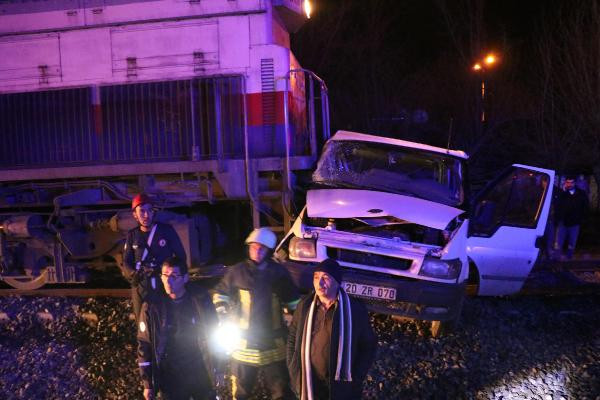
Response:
column 253, row 294
column 146, row 247
column 174, row 355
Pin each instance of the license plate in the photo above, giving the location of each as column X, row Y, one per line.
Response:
column 374, row 292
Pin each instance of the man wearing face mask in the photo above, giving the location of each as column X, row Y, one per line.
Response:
column 145, row 249
column 254, row 293
column 331, row 344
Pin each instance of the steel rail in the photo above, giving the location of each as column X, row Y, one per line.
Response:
column 67, row 292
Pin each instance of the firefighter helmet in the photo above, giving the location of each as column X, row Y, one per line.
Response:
column 139, row 200
column 264, row 236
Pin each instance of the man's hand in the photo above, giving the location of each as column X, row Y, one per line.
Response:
column 222, row 312
column 141, row 274
column 137, row 277
column 148, row 394
column 148, row 271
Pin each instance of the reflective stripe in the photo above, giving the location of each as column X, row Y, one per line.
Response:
column 149, row 243
column 144, row 364
column 262, row 357
column 233, row 386
column 245, row 309
column 220, row 298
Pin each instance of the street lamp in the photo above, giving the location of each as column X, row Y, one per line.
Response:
column 487, row 62
column 490, row 59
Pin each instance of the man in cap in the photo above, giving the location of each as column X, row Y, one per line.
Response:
column 255, row 292
column 145, row 249
column 331, row 344
column 174, row 355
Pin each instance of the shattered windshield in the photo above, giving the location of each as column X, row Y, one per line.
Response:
column 383, row 167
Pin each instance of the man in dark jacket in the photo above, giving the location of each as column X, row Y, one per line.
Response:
column 256, row 292
column 570, row 209
column 145, row 249
column 331, row 344
column 173, row 336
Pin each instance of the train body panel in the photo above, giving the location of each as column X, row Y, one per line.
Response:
column 192, row 102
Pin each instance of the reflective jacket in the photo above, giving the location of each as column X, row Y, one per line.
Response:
column 256, row 296
column 152, row 336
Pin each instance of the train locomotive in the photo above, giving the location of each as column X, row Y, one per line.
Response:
column 200, row 104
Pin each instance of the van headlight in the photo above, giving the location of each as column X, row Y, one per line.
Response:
column 303, row 248
column 441, row 269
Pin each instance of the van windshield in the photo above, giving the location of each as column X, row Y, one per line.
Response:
column 388, row 168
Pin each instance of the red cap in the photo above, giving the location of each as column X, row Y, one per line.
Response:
column 139, row 200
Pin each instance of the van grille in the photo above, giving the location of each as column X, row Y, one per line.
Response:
column 375, row 260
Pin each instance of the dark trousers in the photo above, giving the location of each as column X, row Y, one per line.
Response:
column 244, row 378
column 568, row 234
column 173, row 391
column 320, row 388
column 176, row 385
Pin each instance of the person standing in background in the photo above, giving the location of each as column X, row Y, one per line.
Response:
column 570, row 210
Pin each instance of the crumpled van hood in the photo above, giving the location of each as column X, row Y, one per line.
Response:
column 352, row 203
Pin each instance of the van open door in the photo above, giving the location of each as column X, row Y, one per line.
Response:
column 506, row 226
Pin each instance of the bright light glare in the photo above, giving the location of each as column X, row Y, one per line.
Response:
column 477, row 67
column 227, row 337
column 307, row 8
column 490, row 59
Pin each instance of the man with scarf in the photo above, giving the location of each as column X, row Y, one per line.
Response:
column 331, row 344
column 254, row 292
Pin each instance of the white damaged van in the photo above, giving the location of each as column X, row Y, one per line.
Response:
column 397, row 217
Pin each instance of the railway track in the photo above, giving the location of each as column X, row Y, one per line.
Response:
column 547, row 278
column 563, row 278
column 68, row 292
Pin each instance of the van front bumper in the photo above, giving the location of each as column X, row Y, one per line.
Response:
column 415, row 298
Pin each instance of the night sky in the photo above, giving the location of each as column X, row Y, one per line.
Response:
column 385, row 62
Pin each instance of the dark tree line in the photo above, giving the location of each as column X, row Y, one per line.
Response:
column 403, row 69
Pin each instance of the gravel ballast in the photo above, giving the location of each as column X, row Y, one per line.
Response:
column 519, row 348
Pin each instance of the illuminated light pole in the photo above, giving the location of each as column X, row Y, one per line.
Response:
column 480, row 67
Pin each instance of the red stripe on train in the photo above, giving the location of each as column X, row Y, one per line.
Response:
column 265, row 108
